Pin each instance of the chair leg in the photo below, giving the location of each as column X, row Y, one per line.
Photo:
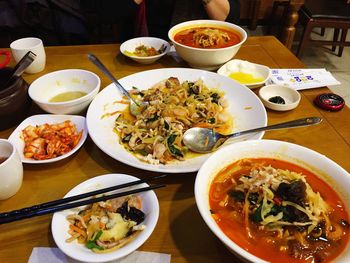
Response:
column 335, row 38
column 323, row 30
column 305, row 39
column 342, row 40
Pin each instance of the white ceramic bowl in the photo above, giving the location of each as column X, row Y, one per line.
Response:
column 49, row 85
column 257, row 71
column 208, row 59
column 323, row 167
column 60, row 225
column 290, row 96
column 129, row 46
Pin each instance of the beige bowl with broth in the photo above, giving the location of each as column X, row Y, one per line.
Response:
column 207, row 58
column 68, row 91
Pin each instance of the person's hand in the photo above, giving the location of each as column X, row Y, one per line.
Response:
column 138, row 1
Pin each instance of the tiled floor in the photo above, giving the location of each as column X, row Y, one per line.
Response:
column 322, row 57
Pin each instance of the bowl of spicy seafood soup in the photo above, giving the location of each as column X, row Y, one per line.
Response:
column 207, row 44
column 274, row 201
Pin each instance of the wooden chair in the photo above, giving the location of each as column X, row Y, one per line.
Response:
column 325, row 14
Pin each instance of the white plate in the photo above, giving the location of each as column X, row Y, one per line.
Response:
column 257, row 70
column 60, row 225
column 246, row 108
column 79, row 121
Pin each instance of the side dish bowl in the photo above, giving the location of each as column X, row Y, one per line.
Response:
column 128, row 48
column 43, row 89
column 250, row 74
column 271, row 96
column 206, row 58
column 60, row 225
column 40, row 119
column 326, row 169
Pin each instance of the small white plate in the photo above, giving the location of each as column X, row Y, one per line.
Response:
column 15, row 138
column 256, row 70
column 131, row 44
column 60, row 225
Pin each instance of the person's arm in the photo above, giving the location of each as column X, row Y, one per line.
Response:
column 217, row 9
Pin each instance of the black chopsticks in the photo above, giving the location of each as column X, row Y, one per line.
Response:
column 65, row 203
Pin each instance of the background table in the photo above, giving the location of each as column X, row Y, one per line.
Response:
column 180, row 231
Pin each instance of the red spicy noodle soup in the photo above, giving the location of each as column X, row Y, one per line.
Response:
column 279, row 212
column 207, row 37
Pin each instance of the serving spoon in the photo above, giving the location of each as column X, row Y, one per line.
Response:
column 135, row 107
column 204, row 140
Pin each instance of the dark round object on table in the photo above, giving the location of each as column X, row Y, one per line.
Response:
column 14, row 99
column 329, row 101
column 277, row 99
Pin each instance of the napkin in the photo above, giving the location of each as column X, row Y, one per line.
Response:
column 55, row 255
column 303, row 78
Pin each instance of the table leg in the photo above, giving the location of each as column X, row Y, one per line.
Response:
column 288, row 30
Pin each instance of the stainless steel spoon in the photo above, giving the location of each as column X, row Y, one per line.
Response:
column 204, row 140
column 135, row 107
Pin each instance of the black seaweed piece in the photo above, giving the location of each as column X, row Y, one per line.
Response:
column 256, row 216
column 277, row 99
column 294, row 192
column 253, row 198
column 290, row 213
column 236, row 195
column 131, row 213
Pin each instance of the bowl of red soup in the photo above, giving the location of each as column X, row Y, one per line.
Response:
column 207, row 44
column 273, row 201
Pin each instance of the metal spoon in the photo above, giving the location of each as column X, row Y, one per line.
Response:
column 21, row 66
column 204, row 140
column 135, row 107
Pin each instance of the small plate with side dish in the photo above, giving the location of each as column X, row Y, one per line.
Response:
column 60, row 225
column 245, row 108
column 50, row 119
column 145, row 50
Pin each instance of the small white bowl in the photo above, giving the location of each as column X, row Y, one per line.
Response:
column 320, row 165
column 241, row 66
column 290, row 96
column 34, row 120
column 129, row 46
column 49, row 85
column 210, row 58
column 60, row 225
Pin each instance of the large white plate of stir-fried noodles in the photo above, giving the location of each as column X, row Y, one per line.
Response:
column 93, row 216
column 190, row 98
column 47, row 138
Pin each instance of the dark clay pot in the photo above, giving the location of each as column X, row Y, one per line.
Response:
column 14, row 99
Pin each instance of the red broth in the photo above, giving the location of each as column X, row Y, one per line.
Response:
column 259, row 244
column 186, row 37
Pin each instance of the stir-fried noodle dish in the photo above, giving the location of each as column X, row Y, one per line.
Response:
column 279, row 211
column 107, row 226
column 155, row 135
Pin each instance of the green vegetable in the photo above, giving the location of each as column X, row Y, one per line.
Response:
column 153, row 118
column 256, row 216
column 172, row 148
column 126, row 138
column 211, row 120
column 166, row 125
column 92, row 244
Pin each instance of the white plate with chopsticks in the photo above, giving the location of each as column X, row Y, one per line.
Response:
column 40, row 119
column 60, row 225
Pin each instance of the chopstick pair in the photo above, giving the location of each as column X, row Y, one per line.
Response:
column 65, row 203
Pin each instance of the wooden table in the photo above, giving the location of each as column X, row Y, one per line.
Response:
column 289, row 22
column 181, row 231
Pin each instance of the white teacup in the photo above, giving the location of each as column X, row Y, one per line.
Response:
column 21, row 46
column 11, row 170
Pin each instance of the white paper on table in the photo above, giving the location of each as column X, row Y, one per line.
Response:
column 55, row 255
column 303, row 78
